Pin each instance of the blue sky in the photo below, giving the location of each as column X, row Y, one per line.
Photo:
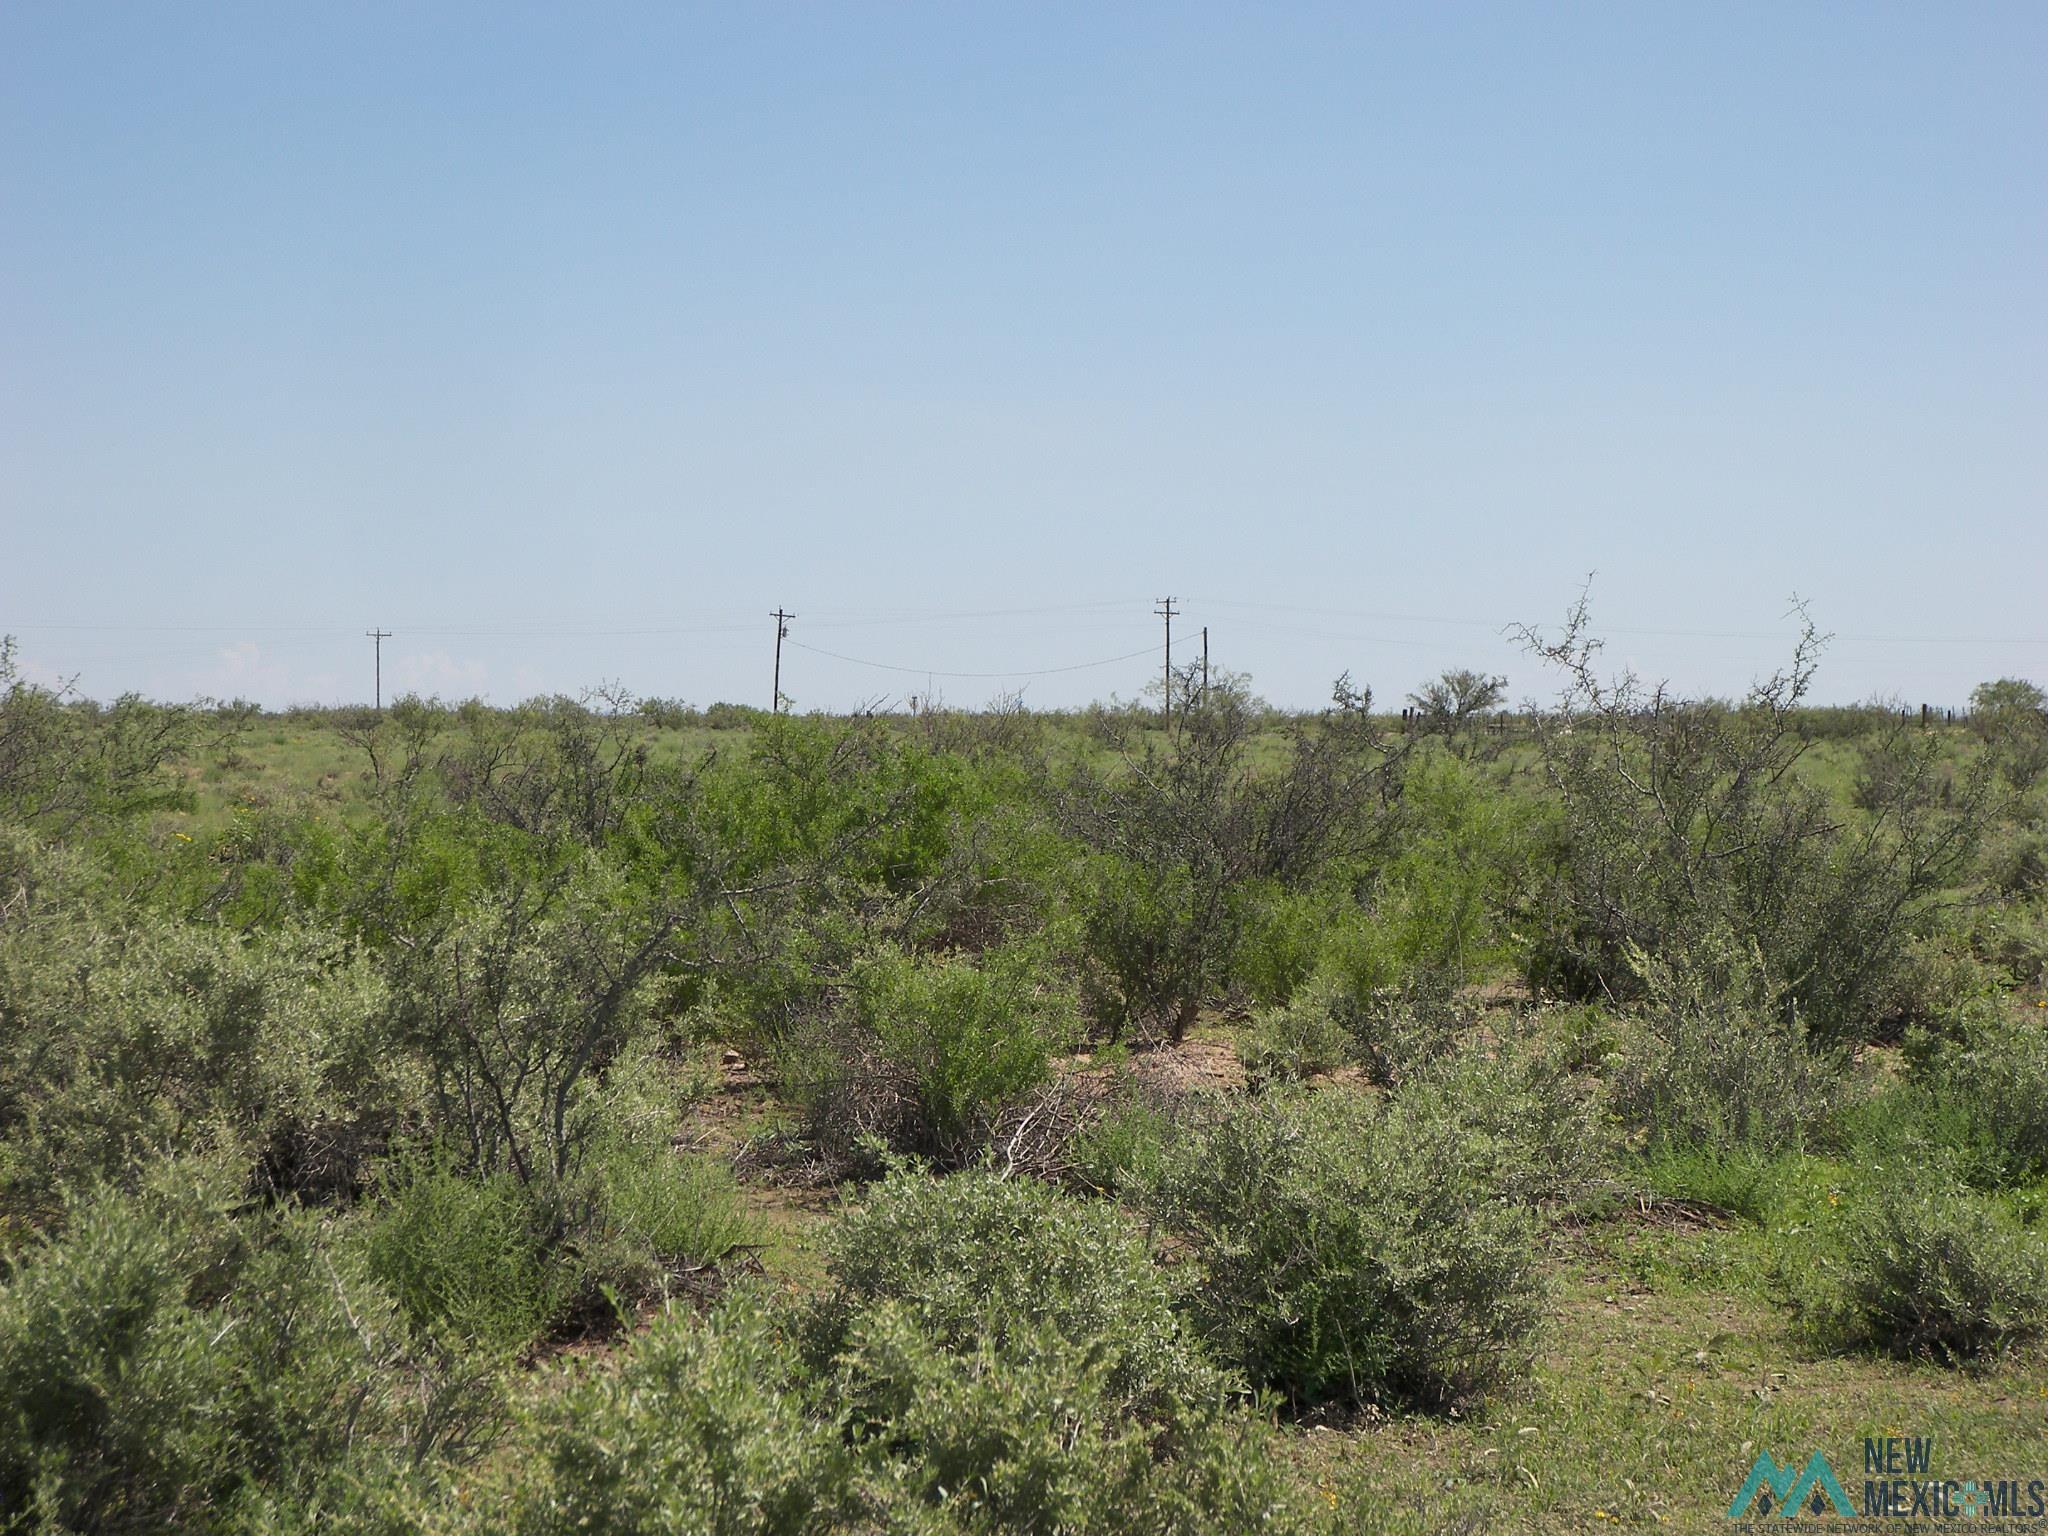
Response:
column 568, row 341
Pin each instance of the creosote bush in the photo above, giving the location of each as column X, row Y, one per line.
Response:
column 1036, row 1433
column 992, row 1357
column 1532, row 1131
column 1021, row 1349
column 1351, row 1252
column 1713, row 1062
column 1986, row 1087
column 927, row 1052
column 973, row 1255
column 1917, row 1263
column 1301, row 1038
column 131, row 1032
column 470, row 1253
column 167, row 1363
column 707, row 1427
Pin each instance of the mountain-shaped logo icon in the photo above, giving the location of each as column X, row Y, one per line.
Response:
column 1782, row 1492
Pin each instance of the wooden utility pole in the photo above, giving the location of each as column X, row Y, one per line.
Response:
column 781, row 633
column 378, row 637
column 1165, row 611
column 1205, row 666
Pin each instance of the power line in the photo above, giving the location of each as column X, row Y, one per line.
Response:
column 830, row 618
column 1615, row 629
column 855, row 619
column 528, row 631
column 884, row 666
column 850, row 618
column 1266, row 626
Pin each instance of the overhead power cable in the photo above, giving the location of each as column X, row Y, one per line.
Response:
column 1383, row 616
column 884, row 666
column 537, row 628
column 533, row 631
column 612, row 627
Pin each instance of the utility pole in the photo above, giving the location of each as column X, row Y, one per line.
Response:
column 781, row 633
column 378, row 637
column 1165, row 611
column 1205, row 666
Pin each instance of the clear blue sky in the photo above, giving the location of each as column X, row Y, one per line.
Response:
column 568, row 341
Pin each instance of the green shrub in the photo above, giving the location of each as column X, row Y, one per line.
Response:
column 2013, row 940
column 1034, row 1433
column 1984, row 1094
column 1726, row 1080
column 268, row 865
column 1285, row 934
column 1933, row 980
column 973, row 1255
column 720, row 1425
column 2014, row 859
column 1380, row 994
column 1584, row 1036
column 1712, row 1065
column 930, row 1051
column 514, row 999
column 132, row 1031
column 68, row 764
column 1158, row 940
column 1530, row 1130
column 1441, row 898
column 1351, row 1253
column 1916, row 1263
column 708, row 1428
column 1306, row 1036
column 1359, row 954
column 1431, row 924
column 470, row 1253
column 1393, row 1030
column 992, row 1358
column 1015, row 1358
column 1191, row 843
column 165, row 1365
column 1684, row 826
column 657, row 1213
column 2010, row 715
column 642, row 1211
column 1121, row 1149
